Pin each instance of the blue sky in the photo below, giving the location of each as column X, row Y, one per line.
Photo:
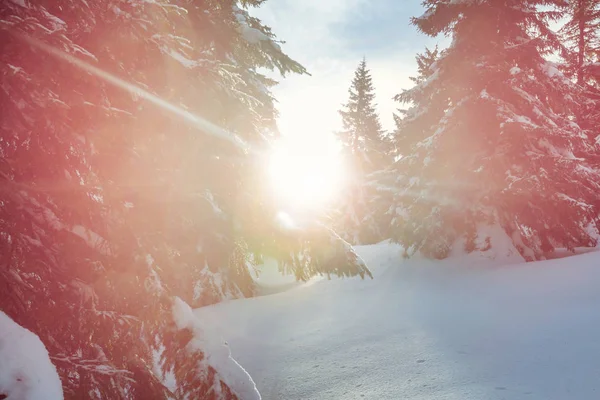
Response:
column 330, row 37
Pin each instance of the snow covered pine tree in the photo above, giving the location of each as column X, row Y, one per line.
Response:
column 581, row 36
column 489, row 139
column 366, row 151
column 424, row 61
column 117, row 196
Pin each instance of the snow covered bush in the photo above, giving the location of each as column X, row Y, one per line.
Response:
column 126, row 170
column 490, row 136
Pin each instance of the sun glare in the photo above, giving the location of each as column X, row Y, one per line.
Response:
column 306, row 171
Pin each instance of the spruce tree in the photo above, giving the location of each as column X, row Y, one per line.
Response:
column 582, row 39
column 582, row 57
column 126, row 166
column 384, row 182
column 362, row 133
column 425, row 62
column 489, row 139
column 366, row 150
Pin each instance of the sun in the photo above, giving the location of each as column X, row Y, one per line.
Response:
column 306, row 171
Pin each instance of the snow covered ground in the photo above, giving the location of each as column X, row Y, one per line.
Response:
column 424, row 330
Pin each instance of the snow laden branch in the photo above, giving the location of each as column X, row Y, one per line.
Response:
column 316, row 249
column 96, row 366
column 197, row 121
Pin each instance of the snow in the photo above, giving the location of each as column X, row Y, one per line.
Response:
column 432, row 78
column 593, row 231
column 217, row 353
column 26, row 372
column 251, row 35
column 57, row 23
column 183, row 60
column 551, row 69
column 521, row 119
column 81, row 51
column 92, row 239
column 19, row 3
column 462, row 328
column 515, row 70
column 576, row 202
column 427, row 14
column 167, row 377
column 182, row 315
column 15, row 70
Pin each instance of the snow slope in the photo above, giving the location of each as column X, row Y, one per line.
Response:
column 425, row 330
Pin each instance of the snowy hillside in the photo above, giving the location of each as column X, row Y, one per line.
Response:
column 424, row 330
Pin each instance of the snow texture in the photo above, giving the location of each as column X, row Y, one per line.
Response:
column 464, row 328
column 217, row 353
column 26, row 372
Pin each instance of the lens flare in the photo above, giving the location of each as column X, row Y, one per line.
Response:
column 306, row 171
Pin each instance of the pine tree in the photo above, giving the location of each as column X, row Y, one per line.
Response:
column 489, row 139
column 366, row 150
column 581, row 55
column 117, row 201
column 383, row 183
column 362, row 132
column 582, row 39
column 425, row 63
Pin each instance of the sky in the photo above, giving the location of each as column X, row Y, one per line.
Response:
column 330, row 37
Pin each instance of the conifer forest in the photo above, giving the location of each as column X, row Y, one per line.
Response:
column 148, row 194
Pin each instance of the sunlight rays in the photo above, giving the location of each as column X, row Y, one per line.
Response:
column 201, row 123
column 305, row 169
